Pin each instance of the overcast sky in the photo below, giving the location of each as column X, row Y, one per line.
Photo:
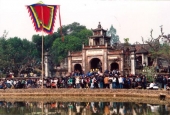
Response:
column 131, row 19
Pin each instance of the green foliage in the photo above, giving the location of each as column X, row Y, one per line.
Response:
column 126, row 40
column 71, row 43
column 165, row 51
column 3, row 56
column 75, row 35
column 156, row 48
column 149, row 72
column 37, row 40
column 112, row 33
column 16, row 54
column 83, row 35
column 73, row 28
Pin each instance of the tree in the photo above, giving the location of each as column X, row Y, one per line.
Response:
column 37, row 40
column 126, row 41
column 75, row 35
column 15, row 54
column 158, row 49
column 5, row 33
column 18, row 54
column 83, row 35
column 114, row 37
column 149, row 72
column 165, row 51
column 60, row 49
column 73, row 28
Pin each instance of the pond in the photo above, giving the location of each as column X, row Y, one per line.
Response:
column 81, row 108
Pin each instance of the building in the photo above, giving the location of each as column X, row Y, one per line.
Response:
column 99, row 54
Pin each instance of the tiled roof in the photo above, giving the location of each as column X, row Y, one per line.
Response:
column 97, row 29
column 141, row 48
column 96, row 36
column 138, row 48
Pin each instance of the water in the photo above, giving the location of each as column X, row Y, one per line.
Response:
column 82, row 108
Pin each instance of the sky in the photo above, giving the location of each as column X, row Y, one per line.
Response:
column 132, row 19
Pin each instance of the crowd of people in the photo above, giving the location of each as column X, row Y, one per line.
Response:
column 93, row 79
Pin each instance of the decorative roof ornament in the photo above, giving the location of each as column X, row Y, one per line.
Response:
column 99, row 26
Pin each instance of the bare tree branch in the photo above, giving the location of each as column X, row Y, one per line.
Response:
column 151, row 34
column 162, row 30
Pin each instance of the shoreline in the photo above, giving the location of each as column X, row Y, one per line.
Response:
column 64, row 94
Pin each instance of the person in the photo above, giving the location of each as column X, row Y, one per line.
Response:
column 164, row 83
column 4, row 85
column 1, row 84
column 144, row 82
column 77, row 81
column 114, row 83
column 96, row 83
column 53, row 84
column 157, row 68
column 120, row 82
column 92, row 81
column 106, row 81
column 151, row 85
column 82, row 85
column 70, row 82
column 55, row 81
column 101, row 81
column 168, row 84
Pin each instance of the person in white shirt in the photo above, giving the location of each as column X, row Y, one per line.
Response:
column 120, row 82
column 77, row 81
column 9, row 83
column 55, row 81
column 151, row 85
column 92, row 82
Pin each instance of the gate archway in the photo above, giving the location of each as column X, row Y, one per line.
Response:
column 77, row 67
column 96, row 63
column 114, row 66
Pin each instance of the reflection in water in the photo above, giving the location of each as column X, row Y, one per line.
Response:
column 82, row 108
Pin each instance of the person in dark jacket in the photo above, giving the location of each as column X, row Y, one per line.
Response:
column 144, row 82
column 164, row 82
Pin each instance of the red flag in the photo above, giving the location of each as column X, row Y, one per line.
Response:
column 43, row 16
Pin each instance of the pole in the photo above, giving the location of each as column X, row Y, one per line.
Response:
column 60, row 24
column 42, row 73
column 42, row 61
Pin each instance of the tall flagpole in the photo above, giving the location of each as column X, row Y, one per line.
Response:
column 42, row 73
column 60, row 24
column 38, row 23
